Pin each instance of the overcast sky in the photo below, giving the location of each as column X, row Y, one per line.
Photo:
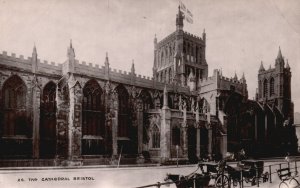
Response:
column 240, row 33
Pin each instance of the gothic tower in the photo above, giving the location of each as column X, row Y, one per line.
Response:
column 275, row 86
column 180, row 57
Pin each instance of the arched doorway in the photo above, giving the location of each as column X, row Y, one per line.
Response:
column 16, row 131
column 48, row 121
column 93, row 119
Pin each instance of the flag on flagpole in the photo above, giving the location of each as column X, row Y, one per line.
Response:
column 182, row 6
column 188, row 16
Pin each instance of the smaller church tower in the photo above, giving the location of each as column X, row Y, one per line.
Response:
column 274, row 86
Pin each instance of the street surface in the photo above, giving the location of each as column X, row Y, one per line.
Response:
column 100, row 177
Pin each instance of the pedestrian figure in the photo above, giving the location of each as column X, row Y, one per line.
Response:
column 287, row 158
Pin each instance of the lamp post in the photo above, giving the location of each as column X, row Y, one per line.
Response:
column 177, row 149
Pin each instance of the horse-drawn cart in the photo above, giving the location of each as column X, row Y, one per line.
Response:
column 248, row 171
column 208, row 171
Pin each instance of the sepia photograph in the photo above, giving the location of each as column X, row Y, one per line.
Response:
column 149, row 93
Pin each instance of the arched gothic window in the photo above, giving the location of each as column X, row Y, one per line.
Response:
column 93, row 118
column 147, row 100
column 272, row 91
column 48, row 121
column 155, row 137
column 265, row 88
column 14, row 109
column 124, row 112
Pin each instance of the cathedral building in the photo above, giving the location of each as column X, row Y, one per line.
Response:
column 79, row 114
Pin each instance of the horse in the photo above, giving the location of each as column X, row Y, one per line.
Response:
column 193, row 180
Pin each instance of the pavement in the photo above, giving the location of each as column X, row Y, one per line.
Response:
column 107, row 177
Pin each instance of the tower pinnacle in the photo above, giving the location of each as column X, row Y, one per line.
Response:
column 261, row 68
column 279, row 56
column 179, row 20
column 71, row 51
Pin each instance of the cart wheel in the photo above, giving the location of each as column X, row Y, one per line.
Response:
column 283, row 185
column 293, row 182
column 222, row 181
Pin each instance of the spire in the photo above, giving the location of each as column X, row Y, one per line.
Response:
column 279, row 56
column 261, row 68
column 132, row 67
column 71, row 51
column 106, row 60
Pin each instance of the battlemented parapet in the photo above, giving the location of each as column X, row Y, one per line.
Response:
column 85, row 69
column 192, row 37
column 43, row 66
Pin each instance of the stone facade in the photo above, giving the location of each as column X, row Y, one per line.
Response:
column 74, row 113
